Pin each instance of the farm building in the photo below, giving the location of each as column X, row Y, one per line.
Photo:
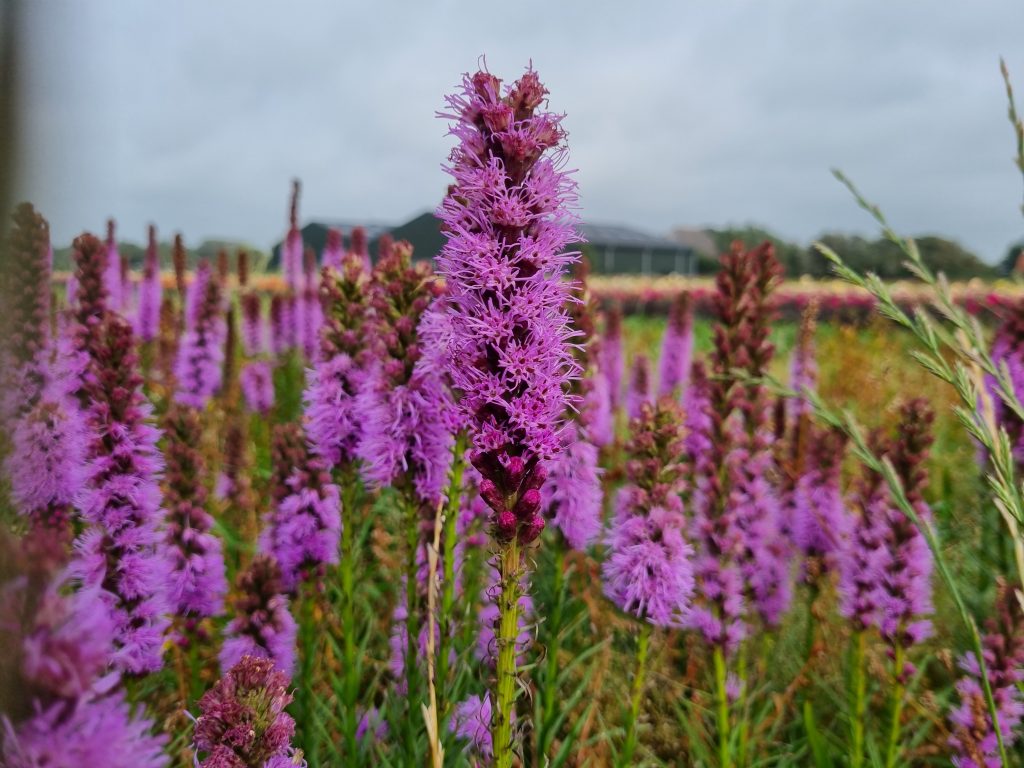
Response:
column 314, row 235
column 611, row 249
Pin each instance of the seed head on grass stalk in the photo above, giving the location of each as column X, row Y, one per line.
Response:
column 508, row 221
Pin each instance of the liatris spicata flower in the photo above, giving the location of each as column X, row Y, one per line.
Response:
column 676, row 348
column 199, row 368
column 571, row 497
column 242, row 721
column 332, row 422
column 257, row 382
column 253, row 331
column 147, row 324
column 263, row 626
column 595, row 415
column 311, row 313
column 28, row 301
column 509, row 224
column 596, row 410
column 737, row 516
column 112, row 269
column 405, row 438
column 508, row 221
column 281, row 330
column 197, row 583
column 59, row 707
column 360, row 248
column 179, row 258
column 973, row 739
column 613, row 362
column 242, row 268
column 121, row 551
column 819, row 522
column 302, row 530
column 334, row 251
column 803, row 368
column 641, row 389
column 648, row 571
column 90, row 295
column 291, row 248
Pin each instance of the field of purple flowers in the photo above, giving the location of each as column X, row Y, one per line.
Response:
column 396, row 514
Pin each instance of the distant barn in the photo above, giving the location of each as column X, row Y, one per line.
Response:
column 611, row 249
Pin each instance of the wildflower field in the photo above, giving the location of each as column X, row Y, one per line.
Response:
column 490, row 511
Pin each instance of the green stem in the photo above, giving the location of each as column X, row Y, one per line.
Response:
column 412, row 624
column 721, row 682
column 508, row 631
column 629, row 747
column 304, row 686
column 896, row 710
column 554, row 631
column 858, row 701
column 742, row 714
column 449, row 537
column 347, row 568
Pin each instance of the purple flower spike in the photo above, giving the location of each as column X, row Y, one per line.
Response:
column 197, row 580
column 200, row 364
column 257, row 381
column 334, row 251
column 112, row 270
column 122, row 552
column 641, row 389
column 242, row 721
column 263, row 626
column 676, row 349
column 291, row 249
column 571, row 497
column 303, row 529
column 612, row 361
column 147, row 319
column 509, row 225
column 648, row 572
column 333, row 384
column 253, row 331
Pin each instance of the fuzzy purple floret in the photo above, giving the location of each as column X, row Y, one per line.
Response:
column 648, row 572
column 572, row 496
column 510, row 354
column 641, row 388
column 242, row 721
column 471, row 722
column 257, row 381
column 676, row 351
column 263, row 626
column 333, row 423
column 147, row 318
column 820, row 523
column 200, row 363
column 404, row 431
column 303, row 530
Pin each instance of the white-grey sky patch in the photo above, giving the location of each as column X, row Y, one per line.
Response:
column 195, row 115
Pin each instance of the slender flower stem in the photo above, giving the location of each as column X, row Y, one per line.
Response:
column 893, row 749
column 724, row 755
column 350, row 671
column 449, row 538
column 305, row 702
column 744, row 720
column 554, row 628
column 412, row 621
column 508, row 630
column 629, row 747
column 858, row 690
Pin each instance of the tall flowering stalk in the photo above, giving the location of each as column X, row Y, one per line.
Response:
column 242, row 721
column 59, row 706
column 199, row 369
column 648, row 571
column 46, row 461
column 334, row 250
column 360, row 249
column 311, row 313
column 112, row 269
column 509, row 223
column 641, row 387
column 121, row 552
column 742, row 558
column 197, row 583
column 973, row 738
column 885, row 568
column 676, row 348
column 147, row 319
column 263, row 625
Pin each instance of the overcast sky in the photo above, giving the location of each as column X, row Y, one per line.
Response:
column 196, row 114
